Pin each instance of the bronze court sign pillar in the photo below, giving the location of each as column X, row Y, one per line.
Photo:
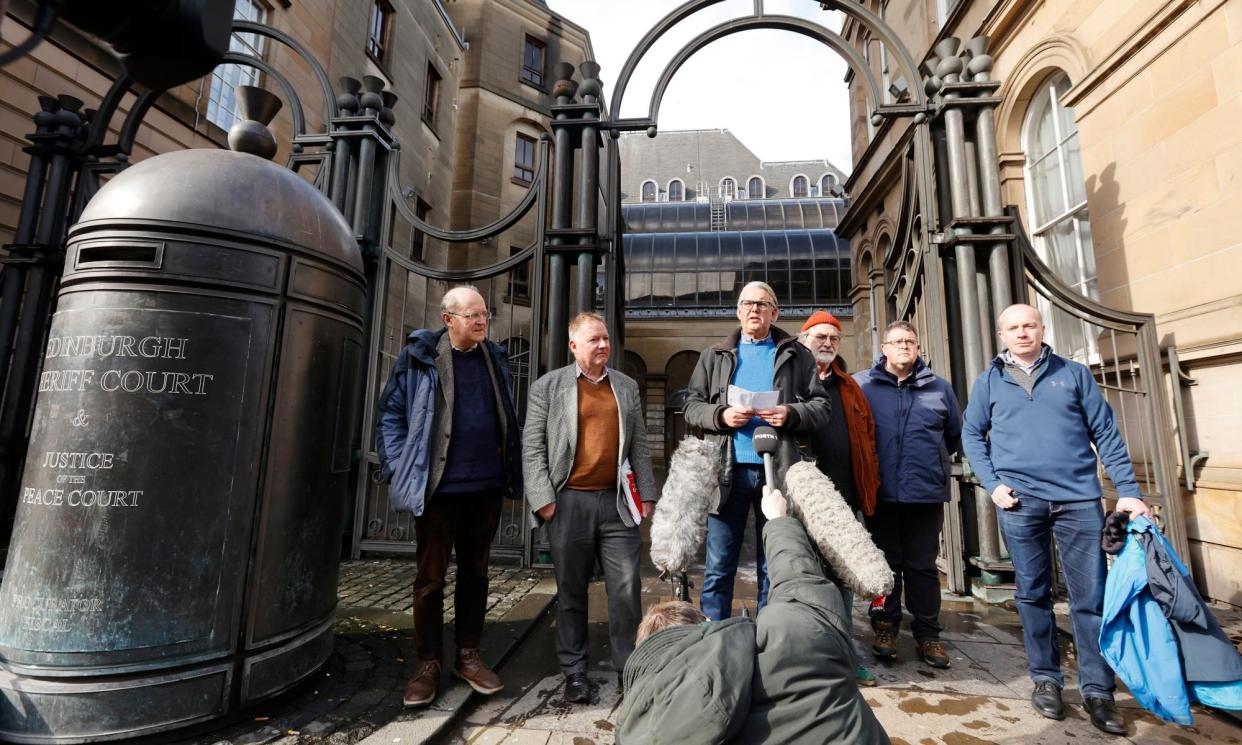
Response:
column 178, row 530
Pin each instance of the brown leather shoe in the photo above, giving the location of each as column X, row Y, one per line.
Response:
column 421, row 690
column 471, row 668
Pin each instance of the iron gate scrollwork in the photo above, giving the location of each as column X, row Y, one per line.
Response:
column 408, row 289
column 978, row 261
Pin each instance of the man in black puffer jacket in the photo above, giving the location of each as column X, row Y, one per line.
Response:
column 786, row 677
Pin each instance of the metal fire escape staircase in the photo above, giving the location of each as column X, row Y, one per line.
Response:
column 717, row 207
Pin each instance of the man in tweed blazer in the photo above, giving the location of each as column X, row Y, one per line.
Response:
column 584, row 423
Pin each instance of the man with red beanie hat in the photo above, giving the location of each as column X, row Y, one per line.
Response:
column 845, row 449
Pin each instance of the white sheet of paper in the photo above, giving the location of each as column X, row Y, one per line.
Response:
column 743, row 398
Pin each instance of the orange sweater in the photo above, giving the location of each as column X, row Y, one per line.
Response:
column 599, row 438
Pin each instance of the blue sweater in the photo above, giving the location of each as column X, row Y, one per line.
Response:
column 1041, row 444
column 756, row 364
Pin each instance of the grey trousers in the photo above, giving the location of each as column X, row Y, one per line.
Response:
column 584, row 528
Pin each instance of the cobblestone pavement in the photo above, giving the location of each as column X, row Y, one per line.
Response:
column 359, row 690
column 388, row 584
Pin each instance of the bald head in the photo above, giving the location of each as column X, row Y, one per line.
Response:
column 1018, row 312
column 459, row 297
column 1021, row 331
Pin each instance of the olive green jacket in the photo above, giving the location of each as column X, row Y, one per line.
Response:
column 786, row 677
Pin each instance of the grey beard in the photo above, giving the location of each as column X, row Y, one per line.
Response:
column 825, row 358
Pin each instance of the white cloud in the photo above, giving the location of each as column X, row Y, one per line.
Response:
column 781, row 93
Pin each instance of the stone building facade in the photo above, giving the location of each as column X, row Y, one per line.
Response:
column 1118, row 143
column 399, row 43
column 504, row 108
column 685, row 165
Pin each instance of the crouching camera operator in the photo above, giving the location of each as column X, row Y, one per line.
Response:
column 785, row 677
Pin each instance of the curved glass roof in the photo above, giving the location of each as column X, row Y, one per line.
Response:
column 704, row 270
column 740, row 214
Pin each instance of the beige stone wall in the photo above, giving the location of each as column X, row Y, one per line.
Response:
column 1156, row 97
column 496, row 103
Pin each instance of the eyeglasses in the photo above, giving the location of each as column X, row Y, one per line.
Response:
column 760, row 304
column 902, row 342
column 821, row 338
column 471, row 317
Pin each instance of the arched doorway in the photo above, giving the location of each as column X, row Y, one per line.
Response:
column 677, row 377
column 632, row 364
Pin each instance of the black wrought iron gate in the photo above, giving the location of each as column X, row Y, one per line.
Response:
column 959, row 257
column 408, row 292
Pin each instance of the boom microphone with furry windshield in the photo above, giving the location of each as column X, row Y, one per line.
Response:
column 680, row 521
column 842, row 540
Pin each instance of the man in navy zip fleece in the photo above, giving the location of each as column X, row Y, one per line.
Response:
column 1029, row 428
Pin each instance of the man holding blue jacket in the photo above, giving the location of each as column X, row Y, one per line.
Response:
column 1029, row 431
column 917, row 428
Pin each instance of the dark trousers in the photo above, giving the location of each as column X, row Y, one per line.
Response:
column 909, row 536
column 1029, row 529
column 586, row 526
column 467, row 522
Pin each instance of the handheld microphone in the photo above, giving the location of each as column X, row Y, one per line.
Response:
column 679, row 524
column 766, row 441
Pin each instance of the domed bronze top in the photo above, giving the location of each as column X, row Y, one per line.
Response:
column 224, row 192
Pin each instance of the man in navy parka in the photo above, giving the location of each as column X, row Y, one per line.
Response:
column 917, row 429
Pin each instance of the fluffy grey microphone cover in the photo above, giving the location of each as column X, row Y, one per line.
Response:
column 680, row 521
column 841, row 538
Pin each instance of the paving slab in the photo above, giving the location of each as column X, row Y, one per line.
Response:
column 912, row 718
column 356, row 697
column 983, row 698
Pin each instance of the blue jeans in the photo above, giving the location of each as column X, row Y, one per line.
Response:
column 1076, row 527
column 724, row 543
